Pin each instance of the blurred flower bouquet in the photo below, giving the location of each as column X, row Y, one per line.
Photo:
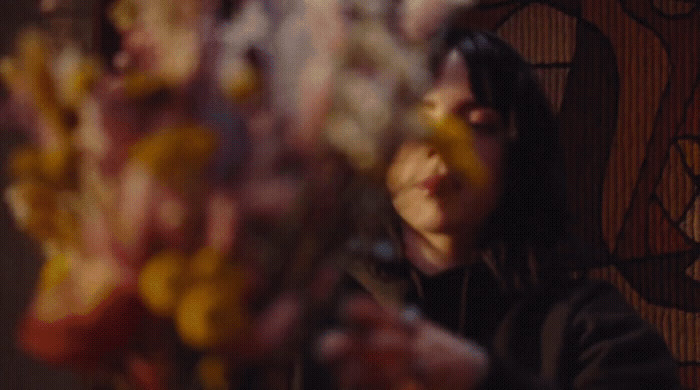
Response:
column 191, row 180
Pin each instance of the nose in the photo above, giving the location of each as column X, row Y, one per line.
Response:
column 436, row 161
column 453, row 141
column 431, row 150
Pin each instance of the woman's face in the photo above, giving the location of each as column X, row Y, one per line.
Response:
column 430, row 195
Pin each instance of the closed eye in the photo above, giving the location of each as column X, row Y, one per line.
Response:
column 484, row 120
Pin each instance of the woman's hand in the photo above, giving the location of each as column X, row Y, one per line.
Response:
column 386, row 349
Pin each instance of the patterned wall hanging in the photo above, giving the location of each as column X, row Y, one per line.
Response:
column 624, row 78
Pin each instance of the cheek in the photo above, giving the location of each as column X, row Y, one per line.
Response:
column 403, row 168
column 490, row 151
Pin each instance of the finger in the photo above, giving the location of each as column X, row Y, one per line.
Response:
column 334, row 346
column 389, row 350
column 363, row 312
column 385, row 354
column 388, row 340
column 440, row 351
column 352, row 374
column 379, row 347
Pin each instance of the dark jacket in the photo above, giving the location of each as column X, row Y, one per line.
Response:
column 564, row 334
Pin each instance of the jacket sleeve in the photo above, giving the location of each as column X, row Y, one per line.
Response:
column 590, row 339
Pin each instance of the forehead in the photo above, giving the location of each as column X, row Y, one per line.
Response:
column 453, row 81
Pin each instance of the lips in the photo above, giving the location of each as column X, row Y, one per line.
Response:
column 440, row 184
column 432, row 182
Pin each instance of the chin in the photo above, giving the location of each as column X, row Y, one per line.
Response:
column 433, row 224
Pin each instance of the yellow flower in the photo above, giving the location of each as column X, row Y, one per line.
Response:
column 54, row 271
column 29, row 74
column 178, row 156
column 453, row 137
column 141, row 84
column 38, row 210
column 159, row 282
column 206, row 263
column 212, row 313
column 78, row 75
column 241, row 81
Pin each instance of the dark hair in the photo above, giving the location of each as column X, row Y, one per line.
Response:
column 532, row 209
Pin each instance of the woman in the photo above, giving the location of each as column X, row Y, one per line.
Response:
column 479, row 256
